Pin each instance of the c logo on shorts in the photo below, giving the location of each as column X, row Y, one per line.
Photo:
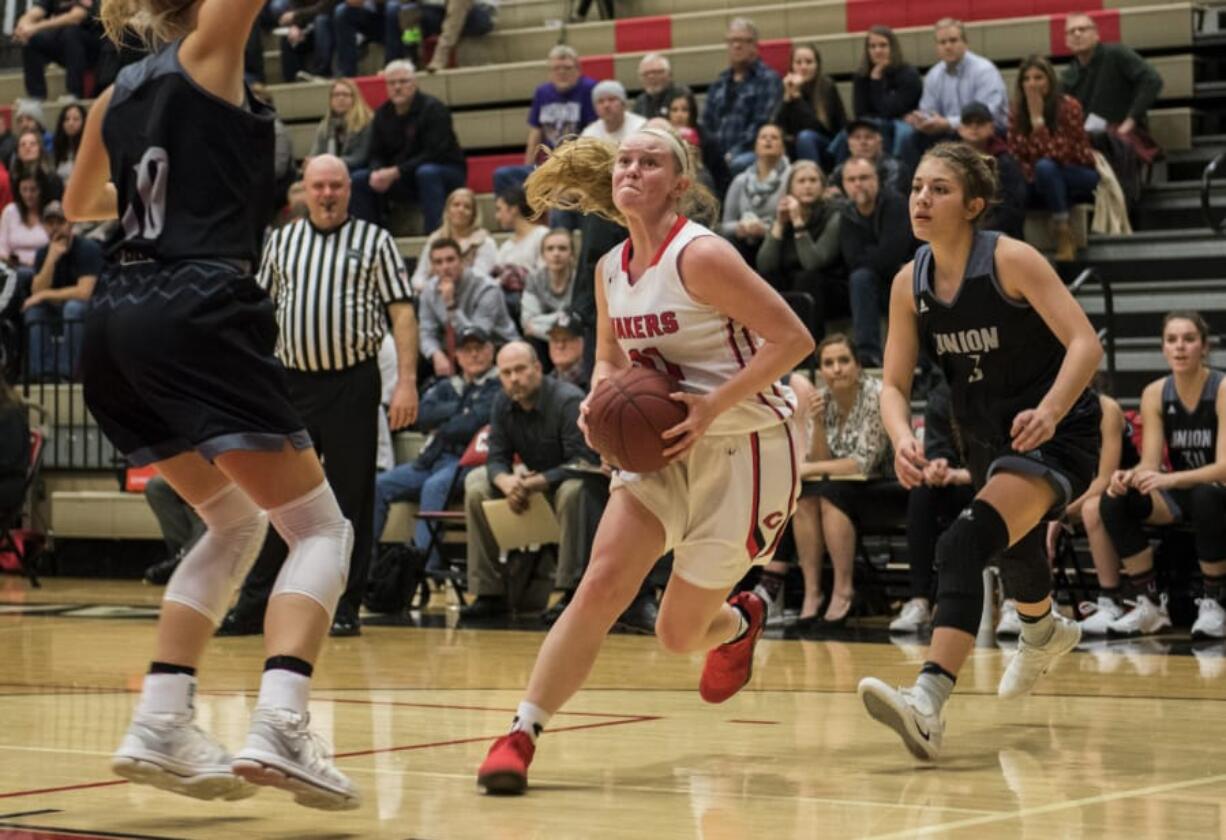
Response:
column 773, row 520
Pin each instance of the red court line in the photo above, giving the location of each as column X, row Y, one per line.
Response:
column 759, row 722
column 63, row 789
column 468, row 708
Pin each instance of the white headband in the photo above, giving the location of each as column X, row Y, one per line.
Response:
column 675, row 142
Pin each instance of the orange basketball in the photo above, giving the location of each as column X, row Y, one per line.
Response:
column 629, row 413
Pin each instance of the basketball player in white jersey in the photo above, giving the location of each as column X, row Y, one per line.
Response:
column 678, row 298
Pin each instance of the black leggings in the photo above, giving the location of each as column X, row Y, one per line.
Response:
column 930, row 510
column 1203, row 507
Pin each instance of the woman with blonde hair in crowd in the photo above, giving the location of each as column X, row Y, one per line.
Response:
column 462, row 222
column 344, row 130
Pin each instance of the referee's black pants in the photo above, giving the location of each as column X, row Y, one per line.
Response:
column 340, row 411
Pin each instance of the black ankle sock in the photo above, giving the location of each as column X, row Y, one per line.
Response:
column 771, row 583
column 1145, row 583
column 937, row 670
column 1115, row 593
column 289, row 663
column 1034, row 619
column 169, row 668
column 1215, row 587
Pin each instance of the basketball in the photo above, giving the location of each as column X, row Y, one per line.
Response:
column 630, row 412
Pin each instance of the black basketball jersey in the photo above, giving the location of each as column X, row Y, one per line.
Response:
column 1191, row 436
column 194, row 173
column 997, row 354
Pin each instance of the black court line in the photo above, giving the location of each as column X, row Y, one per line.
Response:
column 82, row 832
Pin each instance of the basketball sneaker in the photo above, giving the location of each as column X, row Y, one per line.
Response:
column 282, row 752
column 505, row 769
column 914, row 616
column 730, row 665
column 1099, row 616
column 1033, row 661
column 1144, row 619
column 1009, row 625
column 1210, row 621
column 170, row 752
column 909, row 712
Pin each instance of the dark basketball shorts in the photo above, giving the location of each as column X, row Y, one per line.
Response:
column 179, row 358
column 1068, row 462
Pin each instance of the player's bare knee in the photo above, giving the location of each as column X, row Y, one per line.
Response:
column 679, row 635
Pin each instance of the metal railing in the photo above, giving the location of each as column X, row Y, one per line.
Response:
column 1107, row 334
column 1206, row 188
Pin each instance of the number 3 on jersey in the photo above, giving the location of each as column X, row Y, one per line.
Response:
column 650, row 357
column 151, row 175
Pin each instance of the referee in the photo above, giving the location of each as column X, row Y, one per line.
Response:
column 336, row 282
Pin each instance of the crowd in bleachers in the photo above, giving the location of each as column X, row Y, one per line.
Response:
column 813, row 193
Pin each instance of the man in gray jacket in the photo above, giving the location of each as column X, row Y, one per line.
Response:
column 456, row 299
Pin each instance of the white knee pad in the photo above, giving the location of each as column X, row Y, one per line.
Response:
column 320, row 540
column 216, row 565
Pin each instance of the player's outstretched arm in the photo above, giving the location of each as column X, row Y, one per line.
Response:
column 90, row 196
column 212, row 54
column 610, row 357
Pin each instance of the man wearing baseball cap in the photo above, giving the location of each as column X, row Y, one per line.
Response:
column 566, row 351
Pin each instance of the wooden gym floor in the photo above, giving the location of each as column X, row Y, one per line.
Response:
column 1122, row 740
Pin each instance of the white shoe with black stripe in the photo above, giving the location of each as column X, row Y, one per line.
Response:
column 909, row 712
column 282, row 752
column 172, row 753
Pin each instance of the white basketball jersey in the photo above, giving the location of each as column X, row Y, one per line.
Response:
column 660, row 326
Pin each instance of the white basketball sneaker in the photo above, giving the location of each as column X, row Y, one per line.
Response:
column 913, row 617
column 909, row 712
column 1099, row 616
column 283, row 752
column 1033, row 661
column 1144, row 619
column 170, row 752
column 1009, row 625
column 1211, row 620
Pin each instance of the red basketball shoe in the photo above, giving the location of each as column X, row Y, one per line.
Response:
column 505, row 769
column 730, row 665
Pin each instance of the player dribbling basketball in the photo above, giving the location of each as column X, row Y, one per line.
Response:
column 680, row 299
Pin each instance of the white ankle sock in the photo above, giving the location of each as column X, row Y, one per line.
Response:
column 742, row 626
column 530, row 719
column 168, row 694
column 281, row 689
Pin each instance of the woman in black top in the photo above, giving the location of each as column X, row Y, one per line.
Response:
column 179, row 372
column 811, row 113
column 1183, row 412
column 885, row 86
column 1019, row 354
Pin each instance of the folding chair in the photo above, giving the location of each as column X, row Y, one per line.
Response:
column 11, row 520
column 439, row 522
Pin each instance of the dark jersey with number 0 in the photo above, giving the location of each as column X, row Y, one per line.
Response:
column 194, row 173
column 1191, row 436
column 998, row 354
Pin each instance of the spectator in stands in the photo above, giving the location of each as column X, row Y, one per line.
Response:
column 801, row 250
column 1047, row 137
column 875, row 240
column 683, row 118
column 566, row 356
column 450, row 20
column 14, row 447
column 28, row 116
column 67, row 139
column 1185, row 410
column 64, row 31
column 1118, row 452
column 846, row 438
column 958, row 78
column 865, row 140
column 377, row 21
column 612, row 122
column 560, row 107
column 548, row 291
column 753, row 197
column 520, row 253
column 414, row 153
column 659, row 89
column 886, row 87
column 932, row 506
column 345, row 130
column 453, row 409
column 33, row 156
column 1111, row 81
column 21, row 223
column 464, row 225
column 65, row 271
column 535, row 418
column 811, row 113
column 1008, row 215
column 179, row 523
column 308, row 42
column 454, row 299
column 740, row 100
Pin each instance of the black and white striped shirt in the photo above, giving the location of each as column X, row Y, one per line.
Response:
column 331, row 290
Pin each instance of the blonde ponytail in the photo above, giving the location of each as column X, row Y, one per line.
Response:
column 154, row 22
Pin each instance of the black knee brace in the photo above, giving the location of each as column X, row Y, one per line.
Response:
column 1208, row 515
column 1123, row 517
column 1024, row 572
column 963, row 551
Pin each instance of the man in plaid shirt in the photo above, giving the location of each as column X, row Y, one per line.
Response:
column 741, row 99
